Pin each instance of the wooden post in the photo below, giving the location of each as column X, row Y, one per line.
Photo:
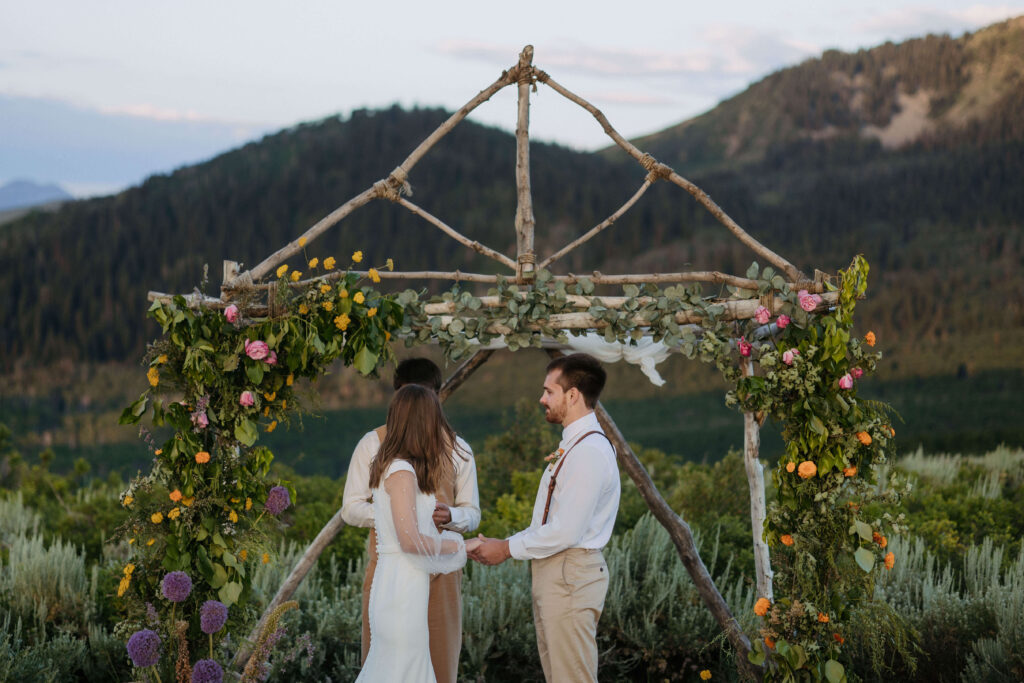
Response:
column 682, row 538
column 463, row 372
column 755, row 481
column 525, row 258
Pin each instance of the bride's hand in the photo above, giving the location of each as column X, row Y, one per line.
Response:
column 472, row 544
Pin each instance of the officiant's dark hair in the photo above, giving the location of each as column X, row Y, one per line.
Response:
column 582, row 371
column 422, row 371
column 417, row 431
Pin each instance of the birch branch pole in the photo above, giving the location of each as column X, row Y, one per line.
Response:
column 758, row 507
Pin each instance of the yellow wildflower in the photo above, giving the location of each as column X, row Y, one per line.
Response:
column 359, row 298
column 342, row 321
column 271, row 396
column 303, row 309
column 266, row 558
column 329, row 263
column 357, row 257
column 290, row 380
column 343, row 293
column 705, row 675
column 281, row 270
column 157, row 517
column 328, row 306
column 272, row 426
column 302, row 241
column 233, row 516
column 161, row 359
column 266, row 411
column 389, row 264
column 284, row 405
column 324, row 288
column 236, row 500
column 248, row 503
column 128, row 569
column 131, row 541
column 187, row 502
column 153, row 376
column 296, row 274
column 374, row 275
column 128, row 500
column 387, row 336
column 158, row 451
column 243, row 554
column 122, row 587
column 174, row 513
column 151, row 541
column 313, row 263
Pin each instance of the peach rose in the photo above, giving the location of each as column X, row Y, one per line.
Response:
column 762, row 606
column 864, row 438
column 786, row 539
column 890, row 561
column 807, row 469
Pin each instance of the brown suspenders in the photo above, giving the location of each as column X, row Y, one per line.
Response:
column 561, row 461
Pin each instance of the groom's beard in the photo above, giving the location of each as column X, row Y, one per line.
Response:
column 554, row 414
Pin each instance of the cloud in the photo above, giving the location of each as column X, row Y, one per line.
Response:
column 633, row 98
column 920, row 20
column 149, row 111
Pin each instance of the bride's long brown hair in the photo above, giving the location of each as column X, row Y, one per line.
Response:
column 417, row 431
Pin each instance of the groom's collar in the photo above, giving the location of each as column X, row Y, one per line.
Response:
column 578, row 427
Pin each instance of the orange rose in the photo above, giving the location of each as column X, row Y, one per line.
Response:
column 878, row 538
column 864, row 438
column 850, row 471
column 890, row 561
column 822, row 617
column 869, row 338
column 790, row 466
column 770, row 643
column 807, row 469
column 786, row 539
column 202, row 457
column 761, row 606
column 838, row 638
column 175, row 495
column 892, row 432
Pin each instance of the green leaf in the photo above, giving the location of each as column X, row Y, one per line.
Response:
column 631, row 290
column 834, row 671
column 365, row 361
column 230, row 363
column 817, row 425
column 864, row 531
column 865, row 559
column 255, row 373
column 753, row 270
column 230, row 592
column 220, row 576
column 246, row 432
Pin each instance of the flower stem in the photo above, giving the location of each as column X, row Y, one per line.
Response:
column 211, row 646
column 157, row 674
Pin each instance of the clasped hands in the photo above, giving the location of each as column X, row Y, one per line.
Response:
column 488, row 551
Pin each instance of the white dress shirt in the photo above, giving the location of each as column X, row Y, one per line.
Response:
column 585, row 501
column 357, row 510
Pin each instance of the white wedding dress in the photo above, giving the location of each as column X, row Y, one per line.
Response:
column 409, row 550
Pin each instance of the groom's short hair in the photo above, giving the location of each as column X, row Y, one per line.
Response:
column 421, row 371
column 582, row 371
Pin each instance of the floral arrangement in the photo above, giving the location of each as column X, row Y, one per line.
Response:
column 218, row 378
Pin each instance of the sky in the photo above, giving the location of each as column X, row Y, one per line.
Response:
column 96, row 96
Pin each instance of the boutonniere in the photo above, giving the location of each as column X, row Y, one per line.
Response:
column 553, row 456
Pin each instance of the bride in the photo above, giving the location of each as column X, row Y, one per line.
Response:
column 413, row 460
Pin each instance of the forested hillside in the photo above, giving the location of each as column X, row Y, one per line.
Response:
column 797, row 159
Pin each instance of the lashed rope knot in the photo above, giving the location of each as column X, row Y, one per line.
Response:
column 394, row 186
column 655, row 169
column 768, row 301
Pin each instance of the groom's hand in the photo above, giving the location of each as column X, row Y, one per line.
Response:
column 442, row 515
column 491, row 551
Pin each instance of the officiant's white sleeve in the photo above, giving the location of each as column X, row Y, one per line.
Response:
column 423, row 545
column 356, row 501
column 466, row 511
column 583, row 507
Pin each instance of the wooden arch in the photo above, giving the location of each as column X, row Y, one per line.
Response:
column 248, row 286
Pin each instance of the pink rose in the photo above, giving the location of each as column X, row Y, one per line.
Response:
column 808, row 302
column 790, row 355
column 272, row 358
column 856, row 372
column 199, row 419
column 231, row 313
column 783, row 321
column 762, row 315
column 246, row 399
column 745, row 347
column 256, row 350
column 846, row 381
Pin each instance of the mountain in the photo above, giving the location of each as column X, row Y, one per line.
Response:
column 807, row 160
column 932, row 91
column 19, row 194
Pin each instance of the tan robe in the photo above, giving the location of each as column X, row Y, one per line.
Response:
column 444, row 608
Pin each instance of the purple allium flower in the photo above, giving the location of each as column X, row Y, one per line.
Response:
column 212, row 616
column 278, row 500
column 144, row 648
column 176, row 586
column 207, row 671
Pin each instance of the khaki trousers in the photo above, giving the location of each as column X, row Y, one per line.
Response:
column 568, row 597
column 444, row 617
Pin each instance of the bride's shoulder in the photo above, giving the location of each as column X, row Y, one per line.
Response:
column 400, row 465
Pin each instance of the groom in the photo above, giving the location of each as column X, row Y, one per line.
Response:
column 573, row 517
column 458, row 509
